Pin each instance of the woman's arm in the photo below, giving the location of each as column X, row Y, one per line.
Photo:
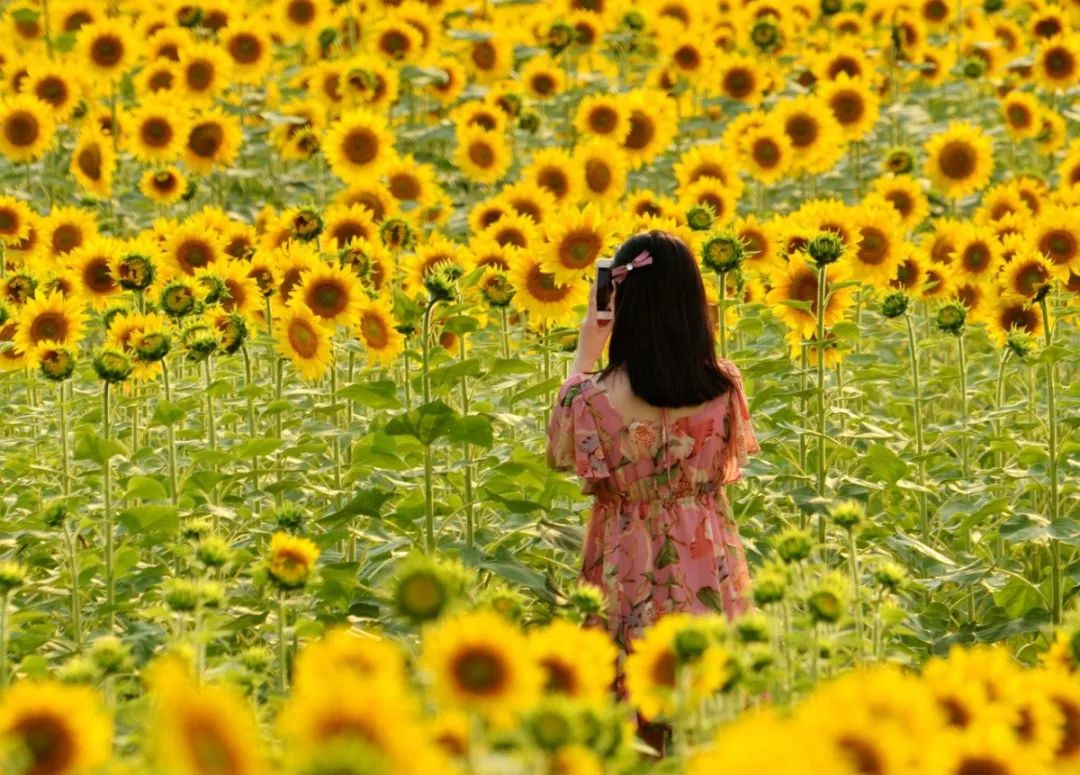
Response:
column 592, row 337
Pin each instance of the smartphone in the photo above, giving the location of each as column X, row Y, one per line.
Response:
column 604, row 288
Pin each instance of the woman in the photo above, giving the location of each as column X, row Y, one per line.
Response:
column 656, row 435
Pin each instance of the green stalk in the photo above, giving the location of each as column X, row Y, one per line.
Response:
column 110, row 590
column 250, row 414
column 965, row 465
column 822, row 278
column 282, row 644
column 853, row 562
column 335, row 444
column 3, row 639
column 62, row 407
column 916, row 386
column 429, row 502
column 723, row 314
column 211, row 427
column 73, row 569
column 470, row 513
column 505, row 330
column 170, row 433
column 280, row 463
column 408, row 385
column 1052, row 452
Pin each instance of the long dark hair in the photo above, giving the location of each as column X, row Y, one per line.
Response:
column 661, row 332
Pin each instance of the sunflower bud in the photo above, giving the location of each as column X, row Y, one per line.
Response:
column 889, row 575
column 291, row 560
column 211, row 593
column 587, row 600
column 290, row 517
column 496, row 289
column 551, row 726
column 20, row 288
column 151, row 347
column 758, row 657
column 111, row 655
column 700, row 217
column 723, row 253
column 558, row 37
column 831, row 7
column 793, row 545
column 1021, row 343
column 213, row 552
column 397, row 234
column 189, row 15
column 765, row 34
column 194, row 529
column 255, row 658
column 973, row 68
column 177, row 299
column 232, row 331
column 899, row 160
column 200, row 342
column 690, row 644
column 847, row 514
column 327, row 37
column 826, row 248
column 441, row 282
column 752, row 628
column 190, row 190
column 135, row 272
column 895, row 304
column 950, row 318
column 306, row 225
column 426, row 588
column 12, row 576
column 993, row 6
column 506, row 602
column 529, row 122
column 112, row 366
column 214, row 289
column 634, row 20
column 56, row 363
column 79, row 670
column 5, row 314
column 181, row 595
column 55, row 514
column 770, row 586
column 826, row 600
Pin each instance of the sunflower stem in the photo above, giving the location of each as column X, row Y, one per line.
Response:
column 505, row 330
column 170, row 433
column 73, row 569
column 110, row 591
column 820, row 345
column 335, row 443
column 65, row 483
column 470, row 512
column 3, row 639
column 250, row 414
column 280, row 463
column 853, row 562
column 211, row 427
column 425, row 382
column 282, row 643
column 964, row 446
column 1052, row 452
column 723, row 314
column 916, row 387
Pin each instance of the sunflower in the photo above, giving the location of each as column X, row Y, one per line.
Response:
column 333, row 294
column 155, row 130
column 157, row 78
column 959, row 160
column 15, row 220
column 1057, row 62
column 478, row 113
column 67, row 227
column 305, row 340
column 760, row 240
column 1054, row 234
column 740, row 78
column 128, row 330
column 290, row 261
column 911, row 271
column 370, row 261
column 875, row 253
column 409, row 180
column 53, row 85
column 541, row 295
column 646, row 202
column 707, row 161
column 977, row 255
column 904, row 194
column 653, row 125
column 603, row 115
column 299, row 19
column 376, row 330
column 71, row 15
column 242, row 293
column 371, row 195
column 107, row 49
column 481, row 156
column 814, row 133
column 1052, row 131
column 60, row 728
column 163, row 185
column 344, row 223
column 603, row 171
column 575, row 239
column 358, row 144
column 711, row 193
column 91, row 267
column 578, row 663
column 488, row 56
column 213, row 140
column 797, row 281
column 553, row 170
column 514, row 231
column 191, row 248
column 455, row 79
column 1002, row 201
column 395, row 39
column 436, row 251
column 199, row 728
column 248, row 45
column 26, row 249
column 542, row 77
column 165, row 43
column 49, row 319
column 341, row 651
column 204, row 70
column 11, row 357
column 93, row 162
column 853, row 103
column 1021, row 113
column 297, row 137
column 1026, row 276
column 480, row 661
column 27, row 128
column 766, row 152
column 529, row 199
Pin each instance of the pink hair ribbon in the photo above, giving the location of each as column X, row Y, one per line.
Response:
column 619, row 273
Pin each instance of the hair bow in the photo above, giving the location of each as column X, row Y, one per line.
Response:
column 619, row 273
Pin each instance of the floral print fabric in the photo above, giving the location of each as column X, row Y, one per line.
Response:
column 660, row 536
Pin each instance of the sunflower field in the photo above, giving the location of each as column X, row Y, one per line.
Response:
column 287, row 289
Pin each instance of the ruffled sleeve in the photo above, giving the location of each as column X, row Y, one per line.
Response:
column 741, row 441
column 573, row 432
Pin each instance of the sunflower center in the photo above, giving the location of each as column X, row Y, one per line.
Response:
column 48, row 741
column 156, row 132
column 542, row 286
column 957, row 159
column 803, row 130
column 1047, row 28
column 107, row 51
column 976, row 257
column 579, row 249
column 49, row 325
column 511, row 236
column 194, row 254
column 861, row 754
column 360, row 146
column 642, row 131
column 215, row 20
column 560, row 677
column 603, row 119
column 901, row 202
column 405, row 187
column 481, row 153
column 687, row 57
column 52, row 90
column 164, row 182
column 543, row 84
column 394, row 43
column 554, row 180
column 76, row 20
column 1059, row 246
column 957, row 714
column 66, row 237
column 304, row 339
column 208, row 746
column 844, row 64
column 766, row 152
column 374, row 329
column 162, row 80
column 1030, row 279
column 598, row 176
column 348, row 230
column 1019, row 116
column 206, row 139
column 301, row 12
column 907, row 273
column 664, row 670
column 22, row 129
column 738, row 82
column 97, row 277
column 199, row 75
column 530, row 209
column 483, row 55
column 245, row 48
column 480, row 671
column 89, row 162
column 935, row 11
column 803, row 287
column 327, row 298
column 9, row 222
column 1027, row 320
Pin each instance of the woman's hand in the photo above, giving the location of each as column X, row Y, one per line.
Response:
column 591, row 338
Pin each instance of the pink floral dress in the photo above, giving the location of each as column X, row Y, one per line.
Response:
column 660, row 536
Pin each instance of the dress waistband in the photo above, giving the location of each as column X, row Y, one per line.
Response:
column 610, row 499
